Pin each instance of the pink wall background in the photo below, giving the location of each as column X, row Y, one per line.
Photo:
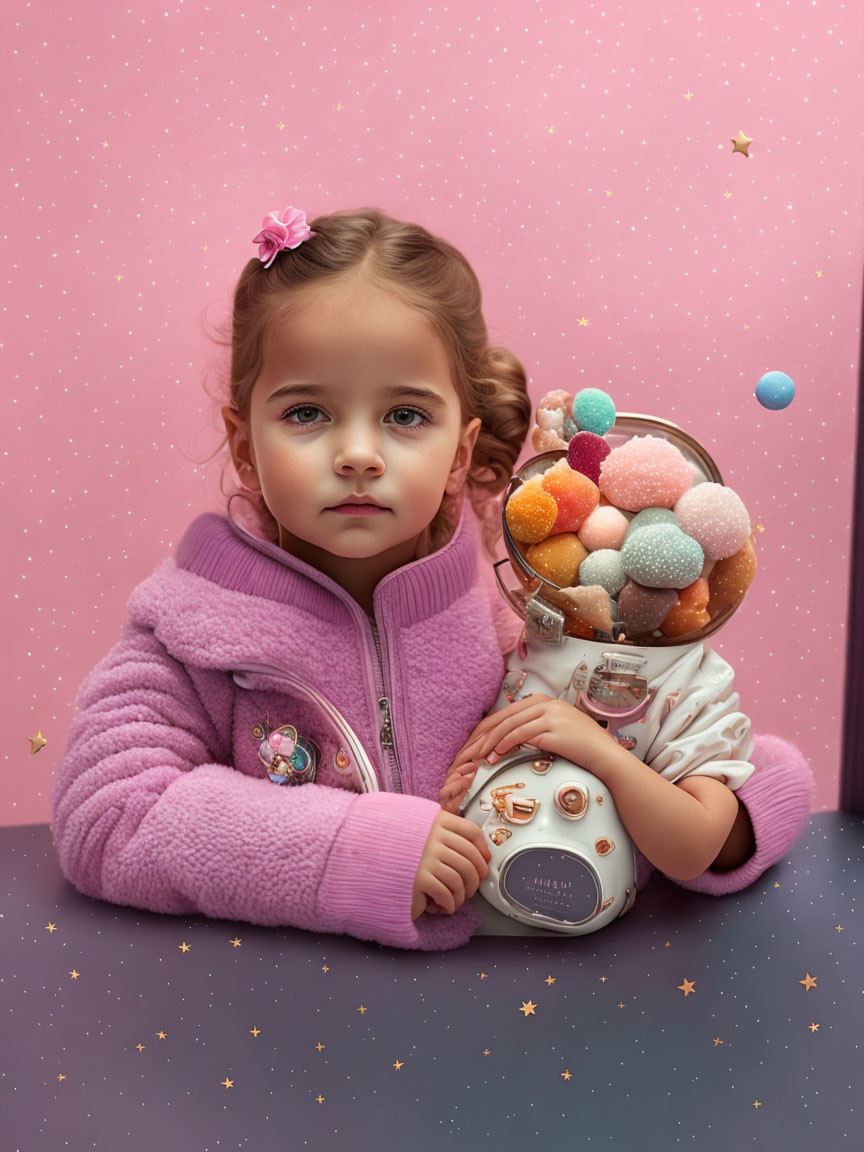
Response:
column 579, row 155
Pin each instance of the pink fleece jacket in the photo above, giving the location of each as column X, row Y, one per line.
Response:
column 162, row 802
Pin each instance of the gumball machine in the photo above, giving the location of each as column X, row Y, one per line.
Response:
column 625, row 552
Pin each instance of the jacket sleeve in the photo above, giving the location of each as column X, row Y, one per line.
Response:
column 147, row 810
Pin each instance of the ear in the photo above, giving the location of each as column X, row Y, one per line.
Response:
column 462, row 459
column 240, row 446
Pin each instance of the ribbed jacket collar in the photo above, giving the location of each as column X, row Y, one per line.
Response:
column 221, row 550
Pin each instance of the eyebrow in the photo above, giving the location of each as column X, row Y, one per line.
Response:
column 425, row 394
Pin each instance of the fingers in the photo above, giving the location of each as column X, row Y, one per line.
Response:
column 451, row 794
column 505, row 715
column 441, row 895
column 505, row 736
column 472, row 844
column 462, row 876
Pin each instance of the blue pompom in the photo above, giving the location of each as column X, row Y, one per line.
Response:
column 775, row 391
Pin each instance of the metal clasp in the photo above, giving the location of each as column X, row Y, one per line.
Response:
column 544, row 621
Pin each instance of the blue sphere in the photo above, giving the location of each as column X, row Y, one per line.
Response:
column 775, row 391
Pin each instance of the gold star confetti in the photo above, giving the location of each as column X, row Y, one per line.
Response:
column 566, row 1073
column 203, row 247
column 482, row 975
column 688, row 95
column 61, row 1076
column 339, row 106
column 280, row 126
column 324, row 968
column 741, row 143
column 398, row 1064
column 161, row 1035
column 746, row 326
column 552, row 131
column 320, row 1046
column 140, row 1047
column 528, row 1008
column 813, row 1027
column 809, row 981
column 603, row 979
column 184, row 947
column 236, row 941
column 51, row 927
column 549, row 980
column 608, row 191
column 717, row 1041
column 621, row 1005
column 119, row 276
column 36, row 742
column 727, row 195
column 74, row 974
column 839, row 928
column 687, row 987
column 583, row 323
column 757, row 1104
column 362, row 1009
column 256, row 1032
column 668, row 944
column 820, row 274
column 485, row 1051
column 105, row 144
column 226, row 1083
column 320, row 1098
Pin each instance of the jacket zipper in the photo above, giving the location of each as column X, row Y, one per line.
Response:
column 387, row 733
column 368, row 772
column 387, row 737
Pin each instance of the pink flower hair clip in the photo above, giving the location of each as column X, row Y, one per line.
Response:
column 280, row 230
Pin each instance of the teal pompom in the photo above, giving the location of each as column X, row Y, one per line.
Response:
column 661, row 556
column 594, row 411
column 604, row 567
column 650, row 516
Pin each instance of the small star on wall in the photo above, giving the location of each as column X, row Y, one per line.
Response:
column 36, row 742
column 741, row 143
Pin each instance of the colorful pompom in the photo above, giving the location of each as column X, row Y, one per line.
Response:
column 594, row 410
column 645, row 472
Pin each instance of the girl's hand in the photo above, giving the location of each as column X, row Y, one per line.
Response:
column 457, row 783
column 542, row 721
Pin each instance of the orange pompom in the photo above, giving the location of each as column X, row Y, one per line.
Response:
column 575, row 494
column 530, row 512
column 689, row 612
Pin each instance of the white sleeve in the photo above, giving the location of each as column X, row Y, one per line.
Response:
column 703, row 733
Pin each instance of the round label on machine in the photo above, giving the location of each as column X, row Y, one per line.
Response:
column 551, row 882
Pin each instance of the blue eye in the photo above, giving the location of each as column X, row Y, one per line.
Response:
column 307, row 408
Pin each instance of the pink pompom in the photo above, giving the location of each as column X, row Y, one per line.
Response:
column 606, row 527
column 715, row 516
column 645, row 472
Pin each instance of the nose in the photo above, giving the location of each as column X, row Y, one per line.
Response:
column 359, row 450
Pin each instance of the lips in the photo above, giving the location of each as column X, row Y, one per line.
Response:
column 360, row 504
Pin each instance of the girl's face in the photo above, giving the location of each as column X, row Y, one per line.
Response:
column 354, row 398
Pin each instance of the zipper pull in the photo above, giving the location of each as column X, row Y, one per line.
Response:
column 386, row 724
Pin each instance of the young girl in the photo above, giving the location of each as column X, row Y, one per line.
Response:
column 268, row 739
